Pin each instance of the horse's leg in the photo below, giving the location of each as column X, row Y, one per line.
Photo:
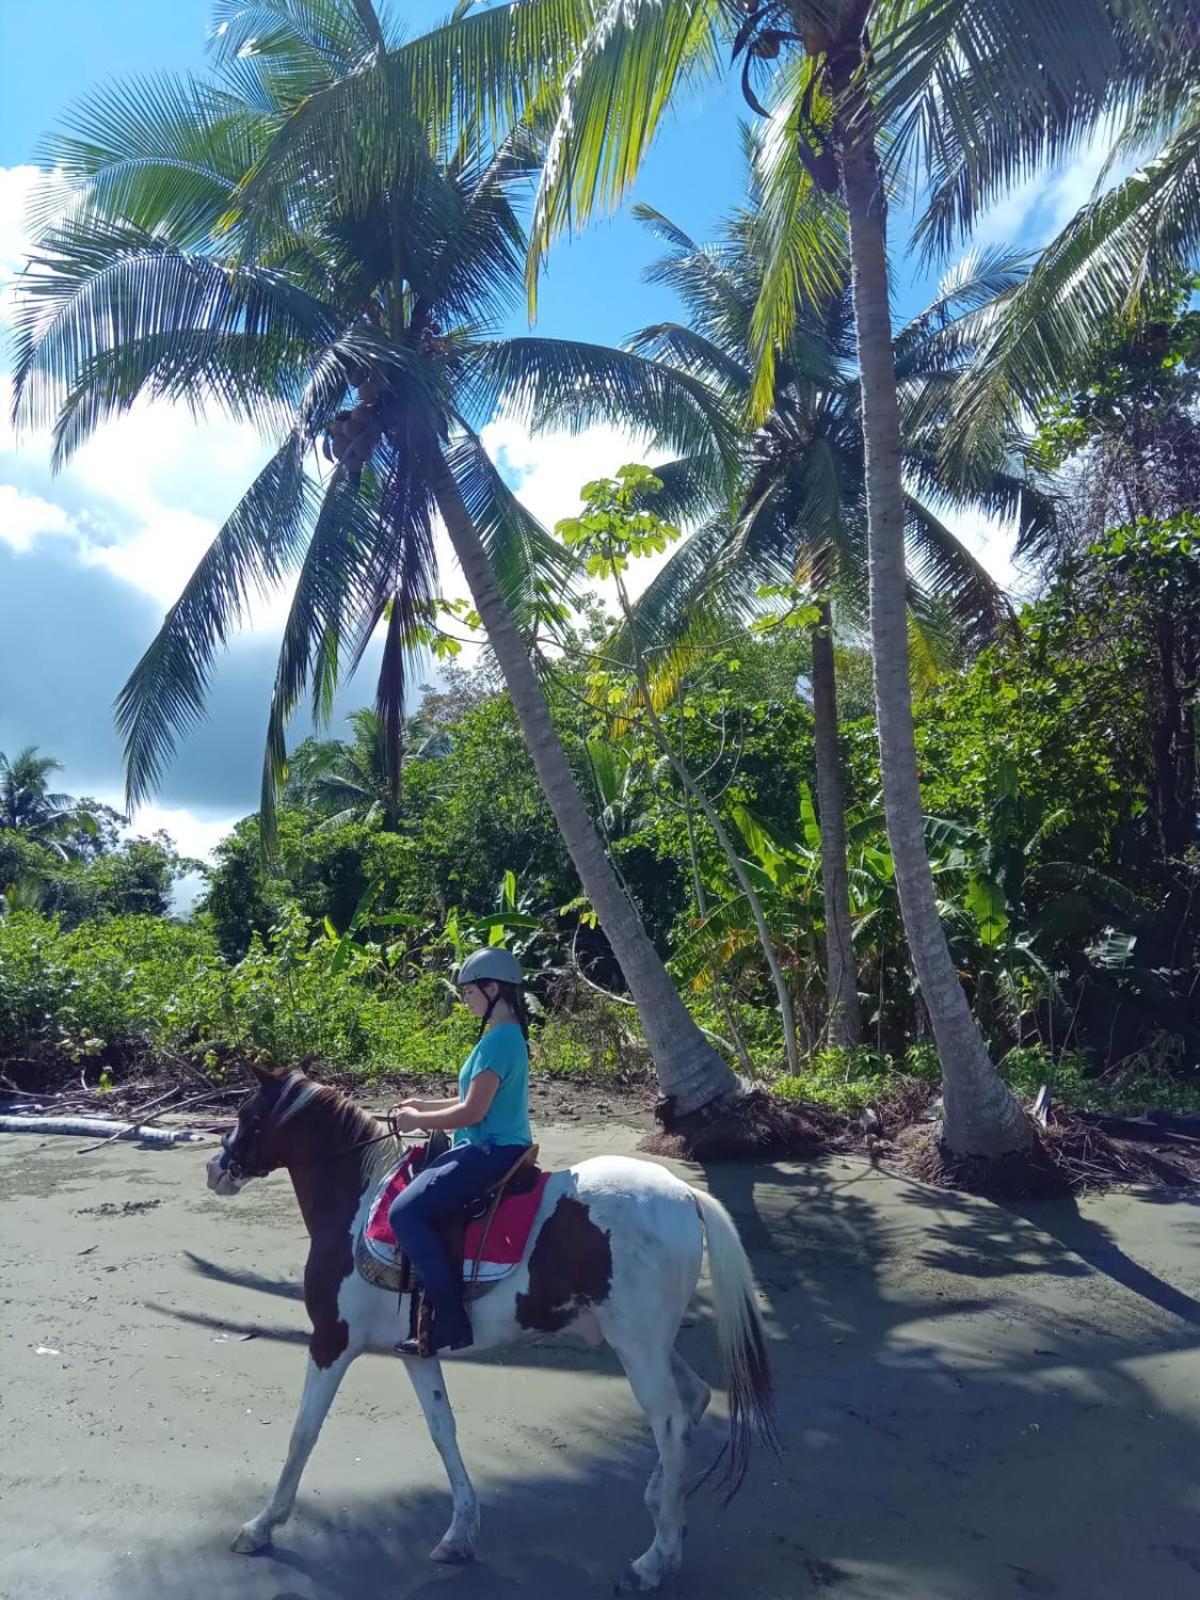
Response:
column 693, row 1390
column 320, row 1386
column 458, row 1542
column 655, row 1387
column 695, row 1395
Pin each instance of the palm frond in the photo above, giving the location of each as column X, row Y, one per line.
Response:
column 332, row 593
column 377, row 113
column 938, row 337
column 948, row 571
column 688, row 351
column 528, row 562
column 982, row 93
column 707, row 278
column 686, row 589
column 250, row 378
column 253, row 550
column 1115, row 249
column 158, row 153
column 663, row 228
column 636, row 55
column 333, row 37
column 802, row 232
column 97, row 286
column 566, row 383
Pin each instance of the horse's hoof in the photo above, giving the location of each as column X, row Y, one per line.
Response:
column 251, row 1540
column 452, row 1555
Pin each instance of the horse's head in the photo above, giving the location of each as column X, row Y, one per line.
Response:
column 257, row 1144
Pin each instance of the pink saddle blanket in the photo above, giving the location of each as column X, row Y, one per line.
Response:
column 506, row 1238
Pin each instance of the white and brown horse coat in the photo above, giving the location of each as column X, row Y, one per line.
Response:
column 613, row 1257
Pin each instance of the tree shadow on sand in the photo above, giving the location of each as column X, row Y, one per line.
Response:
column 963, row 1386
column 975, row 1401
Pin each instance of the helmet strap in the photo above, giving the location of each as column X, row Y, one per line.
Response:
column 487, row 1015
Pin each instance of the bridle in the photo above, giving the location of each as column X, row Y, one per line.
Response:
column 296, row 1094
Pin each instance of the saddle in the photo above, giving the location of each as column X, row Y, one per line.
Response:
column 487, row 1239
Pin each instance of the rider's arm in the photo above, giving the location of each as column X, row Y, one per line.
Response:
column 465, row 1113
column 430, row 1105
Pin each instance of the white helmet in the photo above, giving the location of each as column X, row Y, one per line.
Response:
column 494, row 963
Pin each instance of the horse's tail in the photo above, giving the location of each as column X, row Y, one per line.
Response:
column 743, row 1343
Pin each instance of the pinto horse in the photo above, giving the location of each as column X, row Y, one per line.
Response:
column 613, row 1256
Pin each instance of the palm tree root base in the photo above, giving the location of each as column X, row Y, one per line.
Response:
column 1068, row 1156
column 745, row 1126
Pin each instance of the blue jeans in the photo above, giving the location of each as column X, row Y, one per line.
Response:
column 446, row 1187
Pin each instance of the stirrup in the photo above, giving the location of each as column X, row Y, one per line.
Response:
column 412, row 1347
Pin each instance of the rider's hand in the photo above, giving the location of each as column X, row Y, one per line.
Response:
column 404, row 1119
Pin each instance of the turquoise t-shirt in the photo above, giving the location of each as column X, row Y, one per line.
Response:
column 502, row 1050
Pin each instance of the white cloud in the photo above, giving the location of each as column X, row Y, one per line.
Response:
column 1034, row 212
column 195, row 833
column 990, row 539
column 549, row 469
column 26, row 517
column 156, row 484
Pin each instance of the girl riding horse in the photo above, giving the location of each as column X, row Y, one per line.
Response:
column 489, row 1119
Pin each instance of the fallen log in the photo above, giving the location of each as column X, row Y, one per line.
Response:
column 98, row 1127
column 1153, row 1127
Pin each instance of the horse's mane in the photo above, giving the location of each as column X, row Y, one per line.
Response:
column 346, row 1124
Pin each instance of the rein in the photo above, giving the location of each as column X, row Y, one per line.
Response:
column 361, row 1145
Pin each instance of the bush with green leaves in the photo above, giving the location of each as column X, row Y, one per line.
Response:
column 119, row 987
column 129, row 991
column 849, row 1080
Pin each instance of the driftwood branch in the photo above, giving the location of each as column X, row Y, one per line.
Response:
column 139, row 1118
column 135, row 1117
column 101, row 1127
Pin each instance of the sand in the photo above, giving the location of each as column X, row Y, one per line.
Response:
column 976, row 1402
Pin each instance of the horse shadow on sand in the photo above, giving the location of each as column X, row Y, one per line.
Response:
column 975, row 1401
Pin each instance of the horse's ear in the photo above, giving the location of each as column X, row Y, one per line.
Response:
column 261, row 1075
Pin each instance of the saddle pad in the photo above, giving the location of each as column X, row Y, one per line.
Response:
column 506, row 1239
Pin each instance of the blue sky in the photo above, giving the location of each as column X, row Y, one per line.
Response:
column 89, row 560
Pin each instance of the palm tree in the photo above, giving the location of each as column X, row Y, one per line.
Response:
column 28, row 806
column 1110, row 265
column 801, row 509
column 976, row 92
column 338, row 293
column 352, row 782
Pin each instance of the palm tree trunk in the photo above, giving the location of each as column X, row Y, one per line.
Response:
column 981, row 1117
column 690, row 1071
column 845, row 1021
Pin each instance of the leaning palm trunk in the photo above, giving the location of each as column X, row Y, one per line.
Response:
column 690, row 1071
column 845, row 1022
column 981, row 1116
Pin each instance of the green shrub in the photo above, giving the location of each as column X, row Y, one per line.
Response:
column 591, row 1035
column 845, row 1080
column 132, row 988
column 1153, row 1079
column 110, row 986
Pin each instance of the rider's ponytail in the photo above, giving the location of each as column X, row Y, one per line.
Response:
column 513, row 995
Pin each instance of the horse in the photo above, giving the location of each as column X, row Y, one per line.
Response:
column 613, row 1256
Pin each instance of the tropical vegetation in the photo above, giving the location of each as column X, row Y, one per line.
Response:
column 819, row 784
